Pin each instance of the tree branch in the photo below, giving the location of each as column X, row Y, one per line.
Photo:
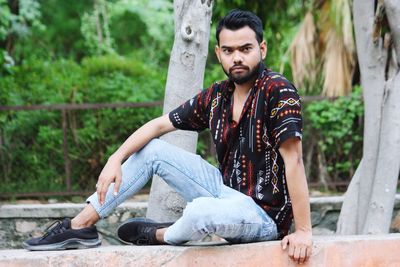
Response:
column 392, row 8
column 379, row 16
column 363, row 12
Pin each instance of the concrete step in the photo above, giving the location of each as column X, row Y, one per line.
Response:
column 329, row 251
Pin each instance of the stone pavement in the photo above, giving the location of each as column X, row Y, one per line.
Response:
column 329, row 251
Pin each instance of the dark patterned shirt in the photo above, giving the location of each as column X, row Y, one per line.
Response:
column 248, row 150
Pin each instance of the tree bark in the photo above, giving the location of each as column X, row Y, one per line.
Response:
column 323, row 173
column 372, row 190
column 185, row 79
column 393, row 15
column 99, row 27
column 381, row 204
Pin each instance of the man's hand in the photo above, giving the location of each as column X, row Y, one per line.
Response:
column 110, row 173
column 300, row 245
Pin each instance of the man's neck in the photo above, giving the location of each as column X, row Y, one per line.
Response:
column 242, row 90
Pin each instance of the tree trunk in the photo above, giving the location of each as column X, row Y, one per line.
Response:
column 372, row 190
column 185, row 79
column 323, row 173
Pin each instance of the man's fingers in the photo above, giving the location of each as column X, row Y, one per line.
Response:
column 302, row 255
column 103, row 192
column 291, row 251
column 285, row 242
column 99, row 194
column 98, row 190
column 117, row 184
column 296, row 254
column 299, row 249
column 308, row 253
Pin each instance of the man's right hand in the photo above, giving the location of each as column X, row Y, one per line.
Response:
column 111, row 173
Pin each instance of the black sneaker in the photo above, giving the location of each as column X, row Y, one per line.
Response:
column 59, row 236
column 140, row 231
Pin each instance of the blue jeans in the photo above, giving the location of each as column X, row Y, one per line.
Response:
column 212, row 208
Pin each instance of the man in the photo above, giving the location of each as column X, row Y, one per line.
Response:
column 255, row 121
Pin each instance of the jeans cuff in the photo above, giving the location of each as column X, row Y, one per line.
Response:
column 94, row 201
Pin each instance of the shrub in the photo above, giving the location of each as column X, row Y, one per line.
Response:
column 31, row 151
column 337, row 127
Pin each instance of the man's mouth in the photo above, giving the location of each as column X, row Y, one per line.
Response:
column 239, row 68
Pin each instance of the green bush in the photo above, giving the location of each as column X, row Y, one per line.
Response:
column 31, row 151
column 338, row 128
column 31, row 147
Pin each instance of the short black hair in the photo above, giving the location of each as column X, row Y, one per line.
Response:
column 237, row 19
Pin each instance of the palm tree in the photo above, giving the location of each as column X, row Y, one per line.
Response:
column 323, row 50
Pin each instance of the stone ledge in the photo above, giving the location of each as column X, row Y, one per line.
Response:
column 343, row 251
column 59, row 210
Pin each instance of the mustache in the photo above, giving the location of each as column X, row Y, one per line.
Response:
column 238, row 67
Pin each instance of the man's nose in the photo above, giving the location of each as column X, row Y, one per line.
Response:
column 237, row 57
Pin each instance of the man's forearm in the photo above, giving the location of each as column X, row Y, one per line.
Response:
column 298, row 191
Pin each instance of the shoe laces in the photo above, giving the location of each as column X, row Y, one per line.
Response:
column 56, row 227
column 146, row 236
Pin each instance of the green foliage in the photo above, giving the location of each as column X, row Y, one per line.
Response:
column 62, row 37
column 95, row 29
column 29, row 15
column 17, row 26
column 108, row 64
column 59, row 59
column 128, row 36
column 70, row 30
column 6, row 62
column 150, row 25
column 31, row 154
column 122, row 25
column 5, row 19
column 338, row 127
column 27, row 18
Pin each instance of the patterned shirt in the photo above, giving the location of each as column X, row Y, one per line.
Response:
column 247, row 150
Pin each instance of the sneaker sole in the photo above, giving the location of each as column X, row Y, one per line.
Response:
column 73, row 243
column 144, row 220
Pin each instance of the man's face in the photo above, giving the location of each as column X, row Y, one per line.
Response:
column 240, row 54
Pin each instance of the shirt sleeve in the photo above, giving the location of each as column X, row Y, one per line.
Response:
column 193, row 115
column 285, row 112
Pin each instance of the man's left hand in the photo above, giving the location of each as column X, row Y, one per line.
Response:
column 299, row 244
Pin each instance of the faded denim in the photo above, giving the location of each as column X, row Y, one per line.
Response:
column 212, row 208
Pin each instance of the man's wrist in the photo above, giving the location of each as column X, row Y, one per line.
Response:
column 304, row 229
column 116, row 157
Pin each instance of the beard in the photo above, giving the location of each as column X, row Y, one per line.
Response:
column 243, row 77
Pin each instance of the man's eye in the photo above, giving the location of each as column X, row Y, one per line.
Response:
column 227, row 51
column 246, row 49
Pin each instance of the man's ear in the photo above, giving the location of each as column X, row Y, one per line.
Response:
column 217, row 52
column 263, row 49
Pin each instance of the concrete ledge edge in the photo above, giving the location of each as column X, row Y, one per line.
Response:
column 361, row 250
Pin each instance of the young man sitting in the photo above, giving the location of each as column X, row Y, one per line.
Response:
column 255, row 120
